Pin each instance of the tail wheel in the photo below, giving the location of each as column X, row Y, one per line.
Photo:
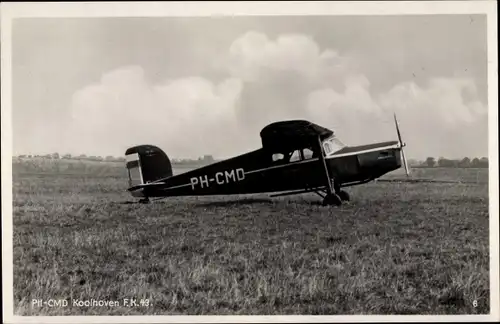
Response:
column 333, row 199
column 344, row 196
column 144, row 201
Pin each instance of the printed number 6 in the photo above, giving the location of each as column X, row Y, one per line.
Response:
column 474, row 303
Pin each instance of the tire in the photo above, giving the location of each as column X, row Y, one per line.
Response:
column 344, row 196
column 332, row 200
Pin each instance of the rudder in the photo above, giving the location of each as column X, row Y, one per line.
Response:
column 147, row 163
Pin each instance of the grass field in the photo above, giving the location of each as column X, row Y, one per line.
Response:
column 396, row 248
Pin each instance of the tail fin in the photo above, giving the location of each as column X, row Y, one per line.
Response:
column 147, row 163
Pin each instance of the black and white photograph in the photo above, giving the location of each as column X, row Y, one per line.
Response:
column 250, row 159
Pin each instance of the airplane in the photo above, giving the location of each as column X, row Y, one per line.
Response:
column 297, row 156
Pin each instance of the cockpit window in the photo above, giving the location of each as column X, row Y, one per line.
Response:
column 328, row 148
column 332, row 145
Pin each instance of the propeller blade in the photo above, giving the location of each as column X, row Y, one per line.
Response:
column 397, row 130
column 402, row 144
column 405, row 163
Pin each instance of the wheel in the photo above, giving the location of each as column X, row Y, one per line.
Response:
column 344, row 196
column 333, row 199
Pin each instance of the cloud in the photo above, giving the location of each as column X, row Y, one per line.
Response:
column 290, row 77
column 123, row 110
column 436, row 119
column 253, row 53
column 443, row 98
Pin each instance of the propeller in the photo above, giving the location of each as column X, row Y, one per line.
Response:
column 402, row 144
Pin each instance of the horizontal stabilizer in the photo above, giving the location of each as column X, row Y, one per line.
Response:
column 152, row 184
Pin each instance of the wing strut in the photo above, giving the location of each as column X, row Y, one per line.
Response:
column 329, row 188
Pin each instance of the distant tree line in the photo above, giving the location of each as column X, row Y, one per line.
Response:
column 206, row 159
column 56, row 156
column 463, row 163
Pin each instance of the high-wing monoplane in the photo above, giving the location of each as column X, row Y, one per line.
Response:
column 297, row 156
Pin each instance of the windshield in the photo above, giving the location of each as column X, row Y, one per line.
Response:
column 332, row 145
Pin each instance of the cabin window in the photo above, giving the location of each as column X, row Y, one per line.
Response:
column 308, row 154
column 295, row 156
column 278, row 157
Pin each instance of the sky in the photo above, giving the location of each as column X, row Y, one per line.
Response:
column 201, row 85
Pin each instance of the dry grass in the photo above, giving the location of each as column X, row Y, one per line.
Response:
column 395, row 249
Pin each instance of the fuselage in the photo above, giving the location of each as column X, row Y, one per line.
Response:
column 264, row 171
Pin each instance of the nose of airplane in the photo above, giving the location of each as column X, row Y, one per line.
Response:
column 381, row 159
column 388, row 159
